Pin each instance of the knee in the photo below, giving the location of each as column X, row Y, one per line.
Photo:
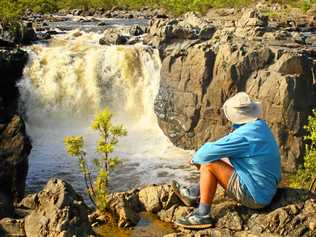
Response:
column 209, row 167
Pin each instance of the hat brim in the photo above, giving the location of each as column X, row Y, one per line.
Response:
column 241, row 116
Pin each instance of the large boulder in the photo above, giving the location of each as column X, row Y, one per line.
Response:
column 198, row 76
column 113, row 37
column 59, row 211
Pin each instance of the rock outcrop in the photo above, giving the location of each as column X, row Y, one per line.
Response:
column 291, row 213
column 14, row 143
column 242, row 52
column 56, row 211
column 19, row 33
column 113, row 37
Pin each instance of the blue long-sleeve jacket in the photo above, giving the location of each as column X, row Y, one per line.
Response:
column 254, row 154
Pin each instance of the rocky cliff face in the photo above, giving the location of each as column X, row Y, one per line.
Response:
column 207, row 60
column 14, row 143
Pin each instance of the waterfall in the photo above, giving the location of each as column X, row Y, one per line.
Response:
column 74, row 77
column 67, row 81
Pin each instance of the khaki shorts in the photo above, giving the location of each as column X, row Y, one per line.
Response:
column 237, row 192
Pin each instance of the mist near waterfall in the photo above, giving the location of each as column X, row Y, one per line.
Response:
column 67, row 81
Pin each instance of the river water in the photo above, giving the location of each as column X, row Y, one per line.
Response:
column 66, row 81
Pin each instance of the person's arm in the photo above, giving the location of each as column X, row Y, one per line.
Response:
column 228, row 146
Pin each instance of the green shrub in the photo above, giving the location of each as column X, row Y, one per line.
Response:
column 97, row 188
column 9, row 11
column 306, row 173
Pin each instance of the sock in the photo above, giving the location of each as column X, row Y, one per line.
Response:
column 204, row 209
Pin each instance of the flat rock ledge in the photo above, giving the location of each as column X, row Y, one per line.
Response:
column 59, row 211
column 292, row 213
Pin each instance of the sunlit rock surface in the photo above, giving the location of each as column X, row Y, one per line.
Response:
column 291, row 213
column 275, row 64
column 55, row 211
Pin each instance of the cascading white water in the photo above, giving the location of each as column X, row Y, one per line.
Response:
column 67, row 81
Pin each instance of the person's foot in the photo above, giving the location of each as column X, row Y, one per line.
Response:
column 183, row 193
column 195, row 221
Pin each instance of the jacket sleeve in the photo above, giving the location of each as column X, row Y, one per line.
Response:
column 229, row 146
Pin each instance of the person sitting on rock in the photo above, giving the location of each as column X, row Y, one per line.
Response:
column 252, row 174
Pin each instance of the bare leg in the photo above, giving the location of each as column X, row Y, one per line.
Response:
column 211, row 174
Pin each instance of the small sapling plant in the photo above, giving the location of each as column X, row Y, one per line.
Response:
column 97, row 188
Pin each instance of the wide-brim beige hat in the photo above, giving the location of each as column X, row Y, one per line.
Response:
column 241, row 109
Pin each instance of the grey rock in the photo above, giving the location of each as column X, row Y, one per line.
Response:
column 15, row 147
column 113, row 37
column 205, row 74
column 60, row 212
column 125, row 207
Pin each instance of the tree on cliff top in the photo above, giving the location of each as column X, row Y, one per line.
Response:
column 97, row 188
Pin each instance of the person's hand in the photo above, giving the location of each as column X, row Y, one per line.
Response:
column 194, row 164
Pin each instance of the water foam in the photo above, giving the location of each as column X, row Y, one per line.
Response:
column 67, row 81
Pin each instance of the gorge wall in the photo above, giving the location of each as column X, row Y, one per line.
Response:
column 207, row 60
column 14, row 143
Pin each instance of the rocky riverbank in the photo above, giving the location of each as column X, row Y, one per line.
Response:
column 59, row 211
column 204, row 61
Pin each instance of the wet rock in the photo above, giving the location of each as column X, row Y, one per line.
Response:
column 102, row 23
column 136, row 30
column 113, row 36
column 45, row 35
column 60, row 212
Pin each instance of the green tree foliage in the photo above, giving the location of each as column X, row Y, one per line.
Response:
column 12, row 9
column 306, row 173
column 9, row 11
column 97, row 189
